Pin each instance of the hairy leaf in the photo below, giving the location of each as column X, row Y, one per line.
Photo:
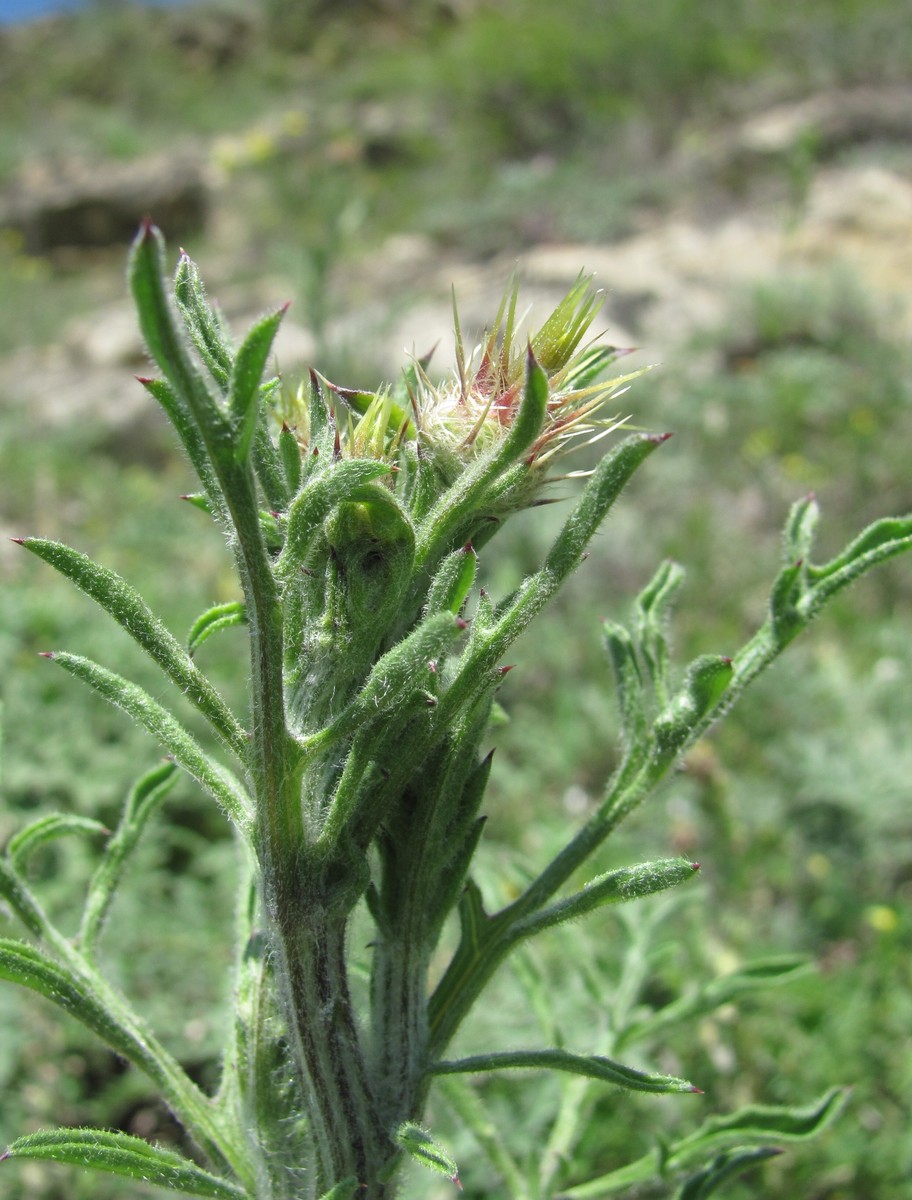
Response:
column 123, row 1154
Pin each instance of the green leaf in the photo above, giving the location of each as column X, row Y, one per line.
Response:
column 759, row 1123
column 418, row 1143
column 17, row 894
column 451, row 585
column 707, row 679
column 290, row 453
column 206, row 330
column 246, row 376
column 530, row 416
column 882, row 540
column 466, row 1103
column 178, row 413
column 345, row 1190
column 725, row 1166
column 123, row 1154
column 210, row 775
column 593, row 1066
column 142, row 800
column 171, row 352
column 752, row 977
column 45, row 829
column 798, row 534
column 752, row 1125
column 130, row 611
column 311, row 506
column 267, row 463
column 651, row 613
column 220, row 616
column 588, row 366
column 30, row 968
column 614, row 887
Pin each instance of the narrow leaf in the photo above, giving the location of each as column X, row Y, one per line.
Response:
column 178, row 413
column 760, row 1123
column 879, row 542
column 168, row 347
column 763, row 973
column 592, row 1066
column 206, row 331
column 614, row 887
column 45, row 829
column 290, row 453
column 123, row 1154
column 725, row 1166
column 749, row 1126
column 311, row 507
column 651, row 612
column 211, row 776
column 246, row 376
column 17, row 894
column 130, row 611
column 798, row 534
column 220, row 616
column 142, row 800
column 345, row 1190
column 466, row 1103
column 30, row 968
column 418, row 1143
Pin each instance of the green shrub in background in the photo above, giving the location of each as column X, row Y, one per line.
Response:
column 361, row 767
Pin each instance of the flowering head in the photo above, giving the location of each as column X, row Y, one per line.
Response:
column 471, row 412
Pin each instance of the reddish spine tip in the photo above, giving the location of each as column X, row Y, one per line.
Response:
column 811, row 497
column 461, row 623
column 146, row 226
column 283, row 308
column 658, row 438
column 696, row 1091
column 727, row 660
column 432, row 666
column 468, row 548
column 45, row 653
column 285, row 427
column 694, row 866
column 506, row 670
column 18, row 541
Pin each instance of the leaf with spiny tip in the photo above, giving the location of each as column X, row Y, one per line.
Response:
column 593, row 1066
column 419, row 1144
column 130, row 611
column 613, row 887
column 123, row 1154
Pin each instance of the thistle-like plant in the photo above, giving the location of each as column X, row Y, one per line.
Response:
column 358, row 772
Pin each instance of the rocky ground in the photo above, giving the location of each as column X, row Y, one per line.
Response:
column 815, row 185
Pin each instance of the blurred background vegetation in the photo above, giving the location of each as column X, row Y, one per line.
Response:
column 357, row 156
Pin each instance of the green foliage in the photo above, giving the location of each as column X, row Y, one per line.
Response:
column 373, row 674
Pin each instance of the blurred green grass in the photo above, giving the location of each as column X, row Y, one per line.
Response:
column 798, row 806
